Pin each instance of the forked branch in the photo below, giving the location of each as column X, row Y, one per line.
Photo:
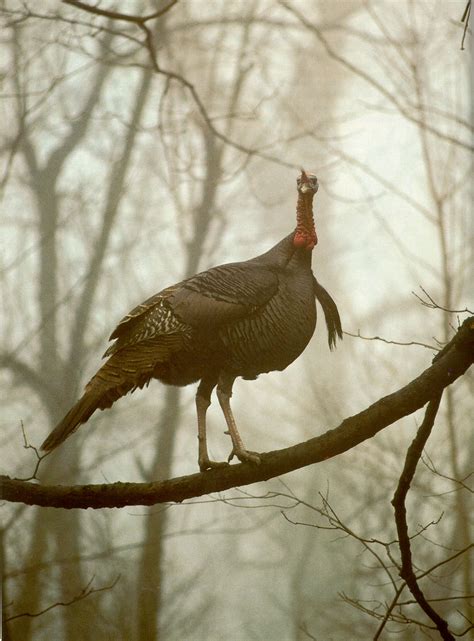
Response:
column 406, row 571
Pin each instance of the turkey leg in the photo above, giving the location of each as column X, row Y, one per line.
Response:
column 203, row 400
column 224, row 392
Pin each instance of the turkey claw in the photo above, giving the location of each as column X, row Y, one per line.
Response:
column 245, row 456
column 207, row 464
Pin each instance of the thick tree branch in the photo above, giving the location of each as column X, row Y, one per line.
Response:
column 406, row 572
column 451, row 363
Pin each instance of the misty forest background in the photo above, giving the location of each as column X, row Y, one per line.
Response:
column 136, row 153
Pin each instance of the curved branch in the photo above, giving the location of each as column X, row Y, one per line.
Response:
column 451, row 363
column 406, row 572
column 116, row 15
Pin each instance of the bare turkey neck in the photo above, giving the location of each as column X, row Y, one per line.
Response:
column 305, row 235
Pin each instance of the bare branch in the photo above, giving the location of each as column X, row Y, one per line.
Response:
column 389, row 610
column 406, row 572
column 149, row 45
column 432, row 304
column 83, row 594
column 451, row 363
column 358, row 71
column 460, row 482
column 384, row 340
column 465, row 18
column 440, row 599
column 445, row 561
column 39, row 457
column 116, row 15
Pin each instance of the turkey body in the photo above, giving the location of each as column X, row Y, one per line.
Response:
column 239, row 319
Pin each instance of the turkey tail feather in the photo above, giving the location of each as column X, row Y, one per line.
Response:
column 77, row 415
column 331, row 314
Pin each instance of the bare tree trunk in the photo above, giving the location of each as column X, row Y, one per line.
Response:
column 150, row 575
column 77, row 624
column 44, row 179
column 149, row 580
column 64, row 527
column 5, row 602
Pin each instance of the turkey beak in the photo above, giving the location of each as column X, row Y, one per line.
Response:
column 306, row 185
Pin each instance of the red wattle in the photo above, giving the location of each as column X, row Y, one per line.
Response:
column 299, row 241
column 305, row 240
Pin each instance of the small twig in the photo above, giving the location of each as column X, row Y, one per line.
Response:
column 470, row 626
column 461, row 482
column 116, row 15
column 445, row 561
column 465, row 18
column 406, row 572
column 385, row 340
column 39, row 456
column 305, row 631
column 443, row 598
column 376, row 614
column 83, row 594
column 389, row 611
column 432, row 304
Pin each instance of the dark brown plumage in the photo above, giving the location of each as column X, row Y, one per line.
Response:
column 239, row 319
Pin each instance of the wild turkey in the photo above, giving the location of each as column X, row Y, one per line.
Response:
column 239, row 319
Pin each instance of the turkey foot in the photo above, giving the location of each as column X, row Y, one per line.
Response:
column 245, row 456
column 224, row 392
